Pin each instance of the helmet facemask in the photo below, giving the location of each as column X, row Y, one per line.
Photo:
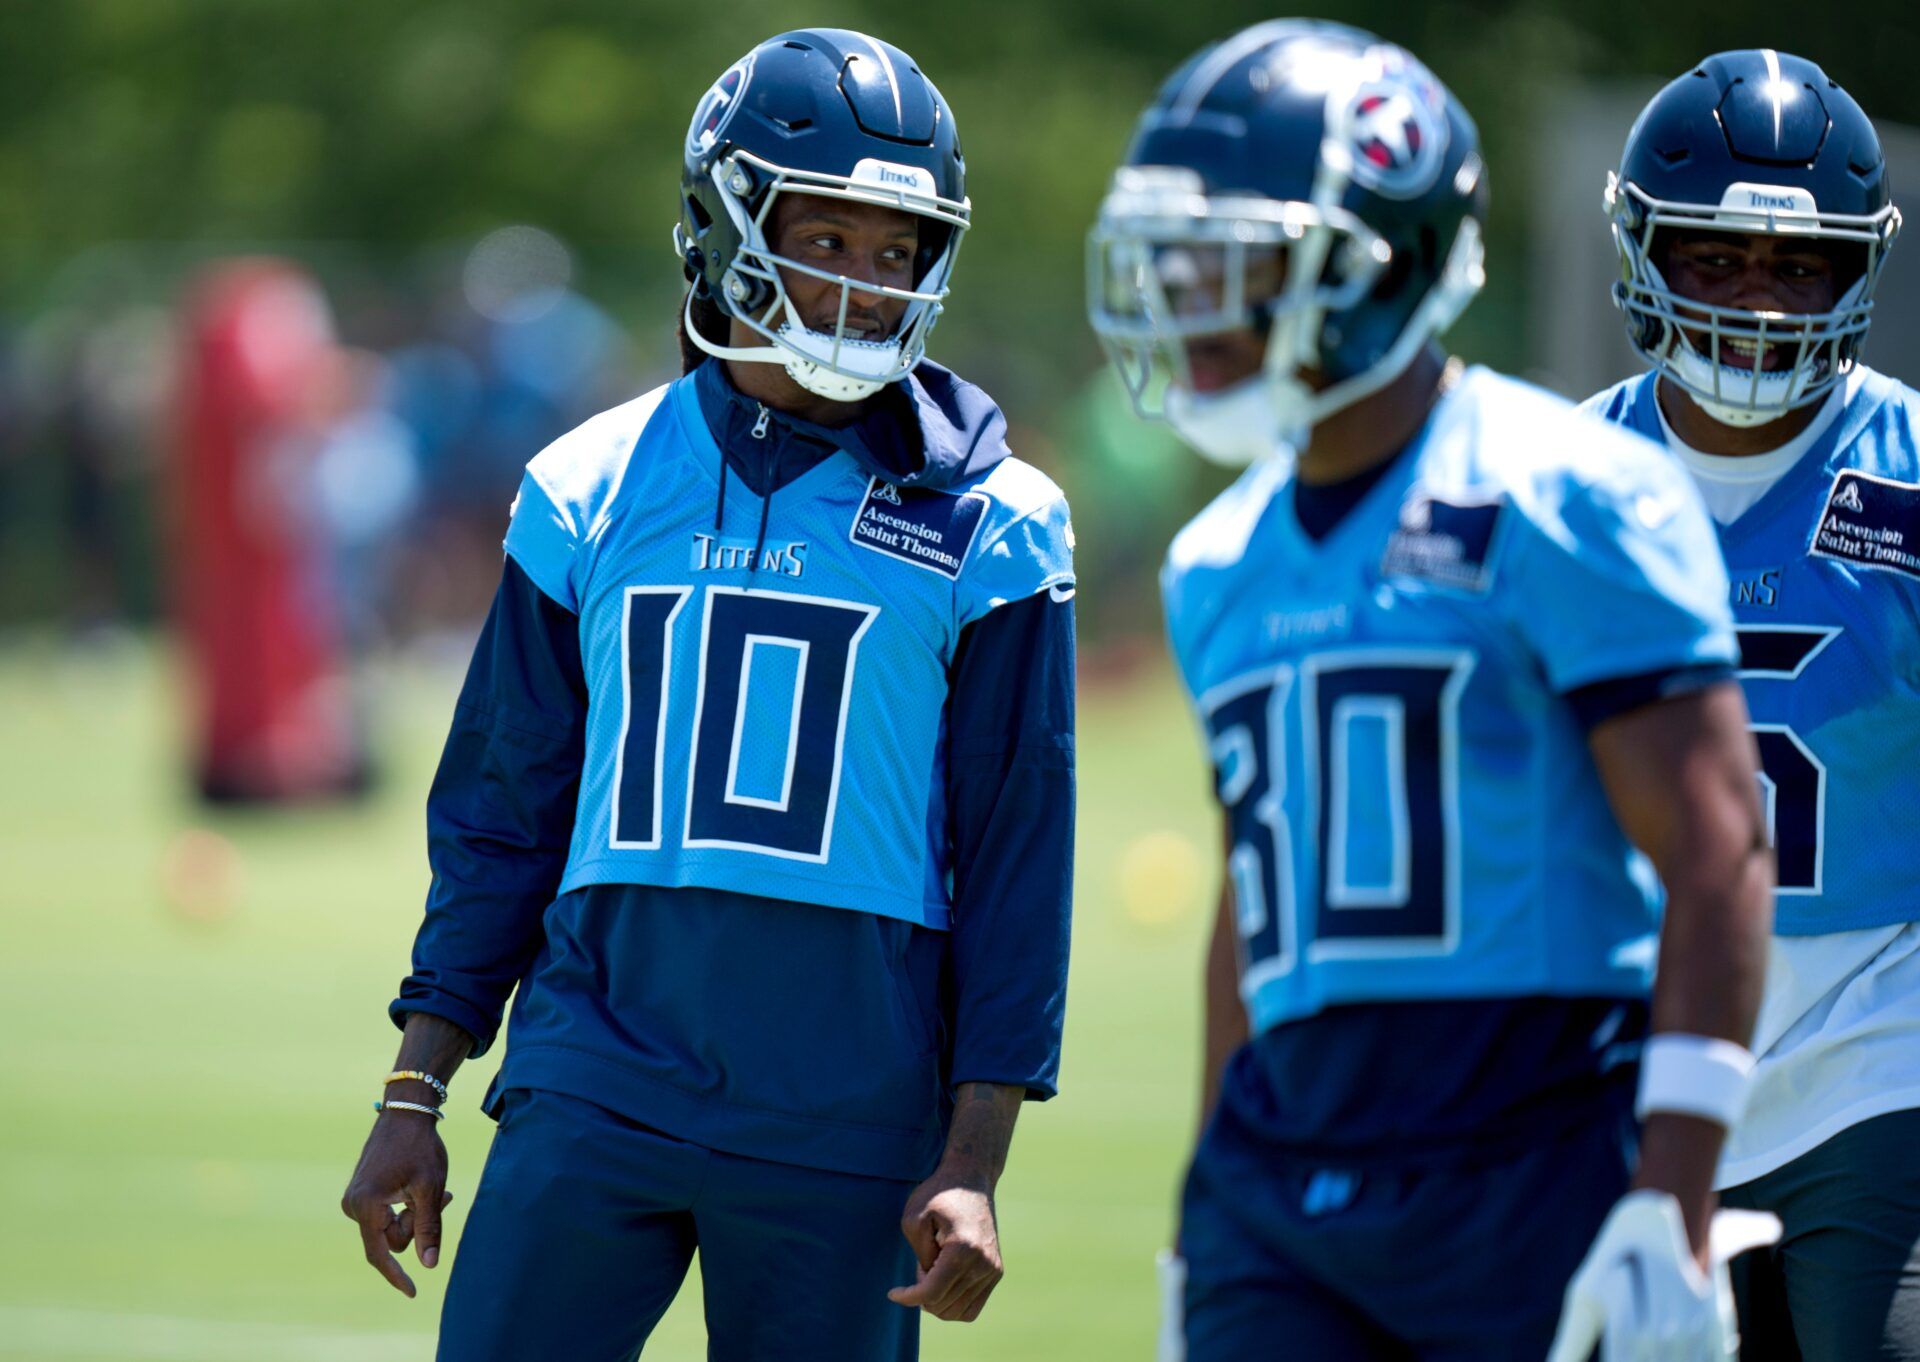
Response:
column 1157, row 218
column 833, row 364
column 1690, row 342
column 1170, row 267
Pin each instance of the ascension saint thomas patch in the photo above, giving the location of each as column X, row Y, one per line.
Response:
column 930, row 529
column 1442, row 541
column 1872, row 521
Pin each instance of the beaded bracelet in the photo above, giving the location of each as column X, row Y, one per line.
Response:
column 424, row 1110
column 420, row 1075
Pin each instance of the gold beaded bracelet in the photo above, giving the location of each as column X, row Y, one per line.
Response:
column 421, row 1076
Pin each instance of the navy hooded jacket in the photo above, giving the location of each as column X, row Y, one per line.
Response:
column 766, row 1028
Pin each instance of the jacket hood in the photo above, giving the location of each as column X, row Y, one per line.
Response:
column 932, row 429
column 963, row 433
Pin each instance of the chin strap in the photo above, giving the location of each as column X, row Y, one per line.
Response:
column 753, row 354
column 1786, row 391
column 811, row 372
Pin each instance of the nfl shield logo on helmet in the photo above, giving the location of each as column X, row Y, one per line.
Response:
column 1396, row 130
column 715, row 109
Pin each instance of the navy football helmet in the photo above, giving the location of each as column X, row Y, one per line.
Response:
column 835, row 113
column 1306, row 180
column 1749, row 143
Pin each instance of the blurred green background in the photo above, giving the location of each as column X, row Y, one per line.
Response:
column 192, row 1004
column 376, row 142
column 194, row 1014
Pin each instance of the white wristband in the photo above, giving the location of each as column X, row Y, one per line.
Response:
column 1694, row 1076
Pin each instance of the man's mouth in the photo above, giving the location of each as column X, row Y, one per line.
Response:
column 1735, row 353
column 856, row 328
column 1213, row 365
column 1743, row 354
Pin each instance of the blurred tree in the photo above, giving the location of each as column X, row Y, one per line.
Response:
column 211, row 121
column 390, row 133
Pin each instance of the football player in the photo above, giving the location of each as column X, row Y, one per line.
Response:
column 759, row 794
column 1752, row 216
column 1456, row 651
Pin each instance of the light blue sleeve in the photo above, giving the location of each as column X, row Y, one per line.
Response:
column 1621, row 576
column 1017, row 558
column 571, row 490
column 1602, row 403
column 544, row 539
column 1617, row 405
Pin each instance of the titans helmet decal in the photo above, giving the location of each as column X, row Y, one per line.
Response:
column 1395, row 125
column 716, row 108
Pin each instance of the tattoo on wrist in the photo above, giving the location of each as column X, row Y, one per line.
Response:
column 982, row 1131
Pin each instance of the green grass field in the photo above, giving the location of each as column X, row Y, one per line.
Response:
column 185, row 1072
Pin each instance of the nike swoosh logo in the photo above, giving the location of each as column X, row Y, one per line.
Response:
column 1061, row 591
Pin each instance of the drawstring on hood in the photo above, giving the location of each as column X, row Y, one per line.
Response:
column 930, row 430
column 766, row 502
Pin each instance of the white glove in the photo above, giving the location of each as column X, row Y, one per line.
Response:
column 1173, row 1307
column 1641, row 1291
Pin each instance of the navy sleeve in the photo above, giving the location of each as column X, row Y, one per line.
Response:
column 500, row 813
column 1600, row 701
column 1010, row 801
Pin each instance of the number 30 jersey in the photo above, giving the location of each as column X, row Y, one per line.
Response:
column 1825, row 571
column 1413, row 809
column 767, row 697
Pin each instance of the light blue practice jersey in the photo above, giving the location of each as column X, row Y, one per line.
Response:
column 775, row 732
column 1825, row 572
column 1413, row 807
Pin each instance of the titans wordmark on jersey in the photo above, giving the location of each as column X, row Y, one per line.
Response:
column 1413, row 809
column 1825, row 573
column 774, row 731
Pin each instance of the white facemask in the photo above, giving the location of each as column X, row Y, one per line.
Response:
column 1234, row 427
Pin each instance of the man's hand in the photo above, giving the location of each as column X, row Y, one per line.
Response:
column 1641, row 1293
column 949, row 1218
column 951, row 1227
column 405, row 1164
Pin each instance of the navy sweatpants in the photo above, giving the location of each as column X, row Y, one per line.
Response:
column 1411, row 1264
column 584, row 1225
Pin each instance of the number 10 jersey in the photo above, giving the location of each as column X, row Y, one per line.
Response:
column 770, row 725
column 1413, row 809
